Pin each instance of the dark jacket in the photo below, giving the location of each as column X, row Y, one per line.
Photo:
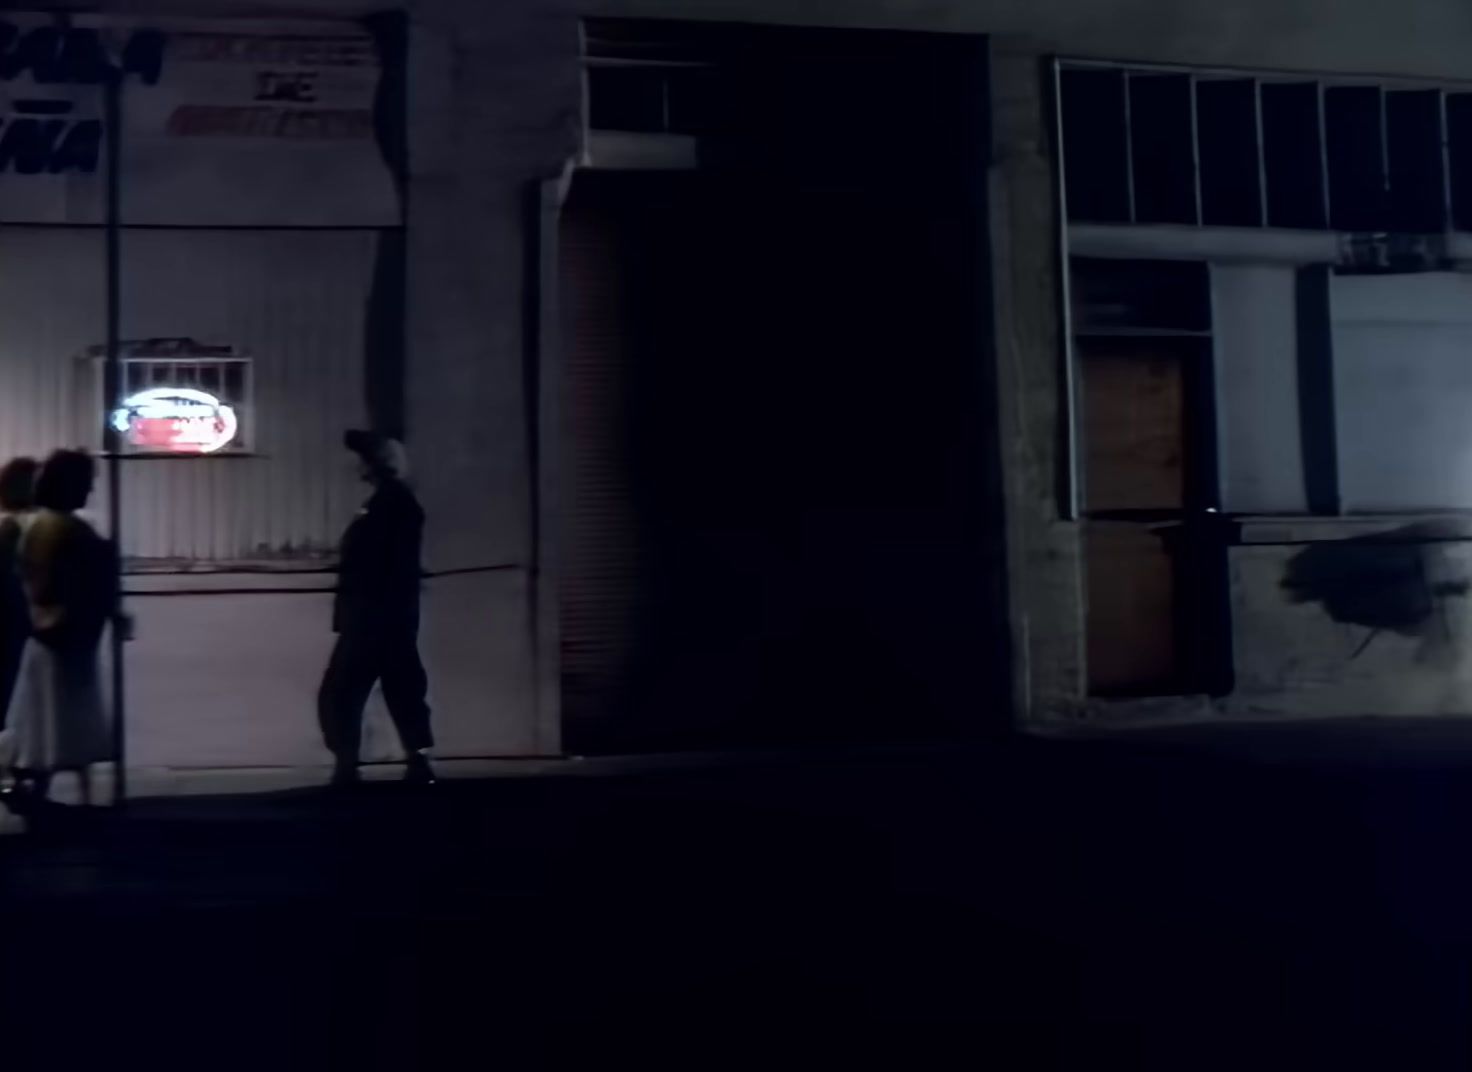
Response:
column 379, row 572
column 71, row 580
column 15, row 613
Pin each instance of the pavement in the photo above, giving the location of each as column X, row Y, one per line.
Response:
column 1199, row 898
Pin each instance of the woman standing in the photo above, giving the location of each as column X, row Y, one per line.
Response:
column 69, row 574
column 17, row 497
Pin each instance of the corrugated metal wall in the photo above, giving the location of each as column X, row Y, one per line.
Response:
column 51, row 309
column 295, row 301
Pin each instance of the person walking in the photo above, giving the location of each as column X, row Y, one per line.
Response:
column 376, row 617
column 17, row 500
column 70, row 576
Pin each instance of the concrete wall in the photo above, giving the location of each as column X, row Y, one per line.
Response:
column 1314, row 646
column 1290, row 656
column 1044, row 550
column 495, row 98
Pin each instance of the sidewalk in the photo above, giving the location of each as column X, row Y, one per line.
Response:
column 1132, row 902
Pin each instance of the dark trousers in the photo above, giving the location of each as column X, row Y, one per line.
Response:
column 358, row 660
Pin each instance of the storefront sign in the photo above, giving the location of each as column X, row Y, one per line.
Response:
column 223, row 123
column 175, row 420
column 49, row 131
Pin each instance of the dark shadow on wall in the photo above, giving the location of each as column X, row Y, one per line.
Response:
column 384, row 336
column 1396, row 581
column 384, row 340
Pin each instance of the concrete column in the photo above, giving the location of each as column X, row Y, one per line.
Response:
column 494, row 105
column 1043, row 549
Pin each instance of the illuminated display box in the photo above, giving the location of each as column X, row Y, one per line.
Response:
column 179, row 397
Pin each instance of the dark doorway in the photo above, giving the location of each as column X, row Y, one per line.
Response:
column 782, row 519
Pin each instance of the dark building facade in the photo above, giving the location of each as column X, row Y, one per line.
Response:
column 797, row 374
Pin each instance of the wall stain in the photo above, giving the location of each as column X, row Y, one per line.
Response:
column 1397, row 581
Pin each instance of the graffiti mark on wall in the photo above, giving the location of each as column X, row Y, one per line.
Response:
column 275, row 50
column 297, row 91
column 291, row 87
column 283, row 104
column 312, row 124
column 30, row 145
column 40, row 135
column 77, row 56
column 1398, row 582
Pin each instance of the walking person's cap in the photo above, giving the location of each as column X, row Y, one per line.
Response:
column 379, row 451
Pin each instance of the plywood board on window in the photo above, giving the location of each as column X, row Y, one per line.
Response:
column 1134, row 412
column 1131, row 623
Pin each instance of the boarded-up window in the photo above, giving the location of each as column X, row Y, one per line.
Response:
column 1134, row 411
column 1255, row 347
column 1143, row 353
column 1402, row 380
column 1132, row 642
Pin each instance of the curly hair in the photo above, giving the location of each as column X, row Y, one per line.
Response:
column 18, row 484
column 65, row 481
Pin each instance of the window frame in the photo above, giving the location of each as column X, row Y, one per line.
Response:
column 154, row 353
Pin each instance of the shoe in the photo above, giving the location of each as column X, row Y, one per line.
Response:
column 418, row 771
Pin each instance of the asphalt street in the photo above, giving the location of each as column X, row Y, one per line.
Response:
column 1197, row 899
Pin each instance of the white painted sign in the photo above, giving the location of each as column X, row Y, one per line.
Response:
column 223, row 123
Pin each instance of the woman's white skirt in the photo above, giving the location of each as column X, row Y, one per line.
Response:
column 58, row 720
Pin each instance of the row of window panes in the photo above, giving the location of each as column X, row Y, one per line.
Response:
column 1149, row 147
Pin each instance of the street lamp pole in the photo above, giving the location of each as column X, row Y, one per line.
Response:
column 112, row 392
